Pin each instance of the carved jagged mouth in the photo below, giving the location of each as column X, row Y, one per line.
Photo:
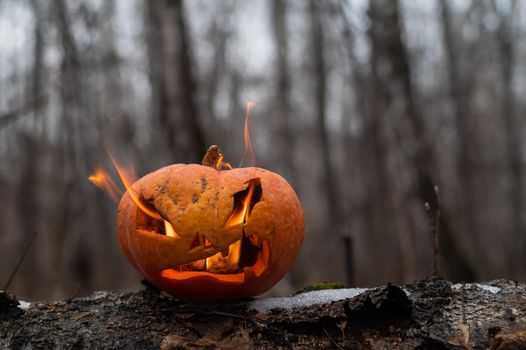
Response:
column 240, row 254
column 233, row 259
column 239, row 276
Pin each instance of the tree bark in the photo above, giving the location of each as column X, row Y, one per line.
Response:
column 429, row 314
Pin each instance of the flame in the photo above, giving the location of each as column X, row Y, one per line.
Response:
column 103, row 180
column 127, row 177
column 240, row 215
column 249, row 150
column 225, row 264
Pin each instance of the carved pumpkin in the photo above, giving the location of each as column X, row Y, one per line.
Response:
column 206, row 234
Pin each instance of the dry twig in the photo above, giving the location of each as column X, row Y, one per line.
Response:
column 20, row 260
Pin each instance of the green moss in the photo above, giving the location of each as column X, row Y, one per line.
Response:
column 321, row 286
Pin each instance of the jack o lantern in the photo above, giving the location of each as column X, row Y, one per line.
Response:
column 202, row 233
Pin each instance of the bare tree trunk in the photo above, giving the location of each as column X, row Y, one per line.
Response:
column 506, row 39
column 379, row 207
column 28, row 183
column 282, row 106
column 458, row 96
column 220, row 33
column 38, row 63
column 394, row 85
column 173, row 82
column 385, row 88
column 234, row 148
column 73, row 154
column 156, row 64
column 319, row 71
column 112, row 95
column 356, row 151
column 188, row 90
column 115, row 127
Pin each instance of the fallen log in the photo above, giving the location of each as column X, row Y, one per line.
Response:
column 428, row 314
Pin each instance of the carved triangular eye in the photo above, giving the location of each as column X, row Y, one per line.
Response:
column 196, row 242
column 244, row 201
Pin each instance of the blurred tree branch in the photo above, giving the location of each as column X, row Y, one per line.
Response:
column 10, row 116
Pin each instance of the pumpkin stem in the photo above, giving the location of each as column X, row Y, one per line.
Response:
column 213, row 157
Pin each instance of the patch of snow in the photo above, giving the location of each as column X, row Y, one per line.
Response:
column 24, row 305
column 305, row 299
column 491, row 289
column 486, row 287
column 99, row 294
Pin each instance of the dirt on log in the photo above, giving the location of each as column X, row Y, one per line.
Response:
column 429, row 314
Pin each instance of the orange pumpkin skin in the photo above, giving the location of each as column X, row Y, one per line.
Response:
column 198, row 200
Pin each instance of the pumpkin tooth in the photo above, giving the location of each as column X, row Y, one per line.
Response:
column 224, row 252
column 196, row 242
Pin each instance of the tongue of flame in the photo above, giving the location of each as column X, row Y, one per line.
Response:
column 249, row 150
column 240, row 214
column 127, row 177
column 102, row 179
